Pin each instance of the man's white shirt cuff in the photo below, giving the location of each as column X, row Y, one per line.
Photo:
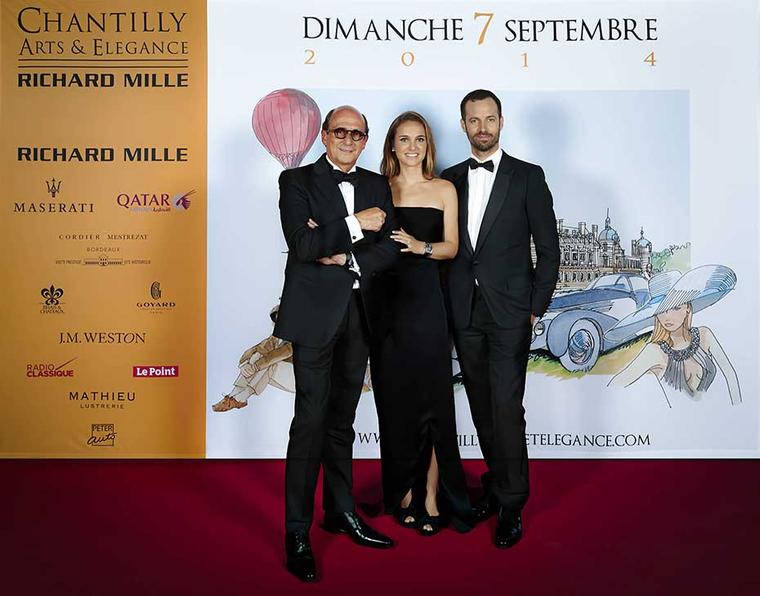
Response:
column 354, row 228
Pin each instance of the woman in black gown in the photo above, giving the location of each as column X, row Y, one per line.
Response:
column 411, row 368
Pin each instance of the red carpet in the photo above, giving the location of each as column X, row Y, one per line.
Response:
column 215, row 527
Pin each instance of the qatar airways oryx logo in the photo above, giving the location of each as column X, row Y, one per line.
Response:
column 154, row 202
column 182, row 202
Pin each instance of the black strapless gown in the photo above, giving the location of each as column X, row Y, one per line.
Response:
column 411, row 380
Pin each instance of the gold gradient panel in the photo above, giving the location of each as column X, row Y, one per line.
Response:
column 105, row 256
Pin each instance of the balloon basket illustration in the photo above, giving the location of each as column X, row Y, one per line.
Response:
column 286, row 122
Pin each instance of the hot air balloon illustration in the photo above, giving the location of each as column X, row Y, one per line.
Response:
column 286, row 122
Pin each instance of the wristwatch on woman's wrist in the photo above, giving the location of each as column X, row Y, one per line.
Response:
column 428, row 249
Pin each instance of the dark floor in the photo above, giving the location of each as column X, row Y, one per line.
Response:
column 215, row 527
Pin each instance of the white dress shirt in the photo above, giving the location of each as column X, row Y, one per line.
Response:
column 354, row 227
column 480, row 183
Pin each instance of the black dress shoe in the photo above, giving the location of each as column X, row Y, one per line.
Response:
column 351, row 524
column 484, row 509
column 508, row 528
column 300, row 560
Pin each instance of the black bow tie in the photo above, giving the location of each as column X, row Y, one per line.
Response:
column 475, row 164
column 341, row 176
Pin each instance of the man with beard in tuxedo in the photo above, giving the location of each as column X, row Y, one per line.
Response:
column 495, row 295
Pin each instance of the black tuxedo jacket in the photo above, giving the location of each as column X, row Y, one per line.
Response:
column 315, row 296
column 520, row 206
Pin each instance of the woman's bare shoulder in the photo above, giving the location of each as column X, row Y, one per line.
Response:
column 706, row 336
column 444, row 189
column 442, row 185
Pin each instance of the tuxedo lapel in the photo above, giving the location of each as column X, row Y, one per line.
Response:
column 327, row 188
column 495, row 200
column 463, row 191
column 361, row 198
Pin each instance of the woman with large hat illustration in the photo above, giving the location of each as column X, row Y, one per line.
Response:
column 685, row 359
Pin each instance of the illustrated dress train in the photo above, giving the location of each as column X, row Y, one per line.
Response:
column 411, row 377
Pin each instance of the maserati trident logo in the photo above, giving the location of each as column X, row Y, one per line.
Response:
column 53, row 187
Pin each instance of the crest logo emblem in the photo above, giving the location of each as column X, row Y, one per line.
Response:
column 52, row 295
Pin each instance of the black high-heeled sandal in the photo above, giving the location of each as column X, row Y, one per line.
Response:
column 402, row 513
column 434, row 523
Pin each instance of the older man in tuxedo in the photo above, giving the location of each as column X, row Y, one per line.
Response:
column 496, row 294
column 337, row 220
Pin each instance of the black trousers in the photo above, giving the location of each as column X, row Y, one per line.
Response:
column 328, row 385
column 494, row 360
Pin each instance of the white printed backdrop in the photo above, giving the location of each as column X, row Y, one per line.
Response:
column 650, row 150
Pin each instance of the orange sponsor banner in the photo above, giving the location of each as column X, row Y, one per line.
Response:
column 103, row 228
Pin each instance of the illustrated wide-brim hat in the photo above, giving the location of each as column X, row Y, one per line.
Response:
column 701, row 287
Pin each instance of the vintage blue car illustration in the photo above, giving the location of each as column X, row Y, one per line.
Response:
column 580, row 325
